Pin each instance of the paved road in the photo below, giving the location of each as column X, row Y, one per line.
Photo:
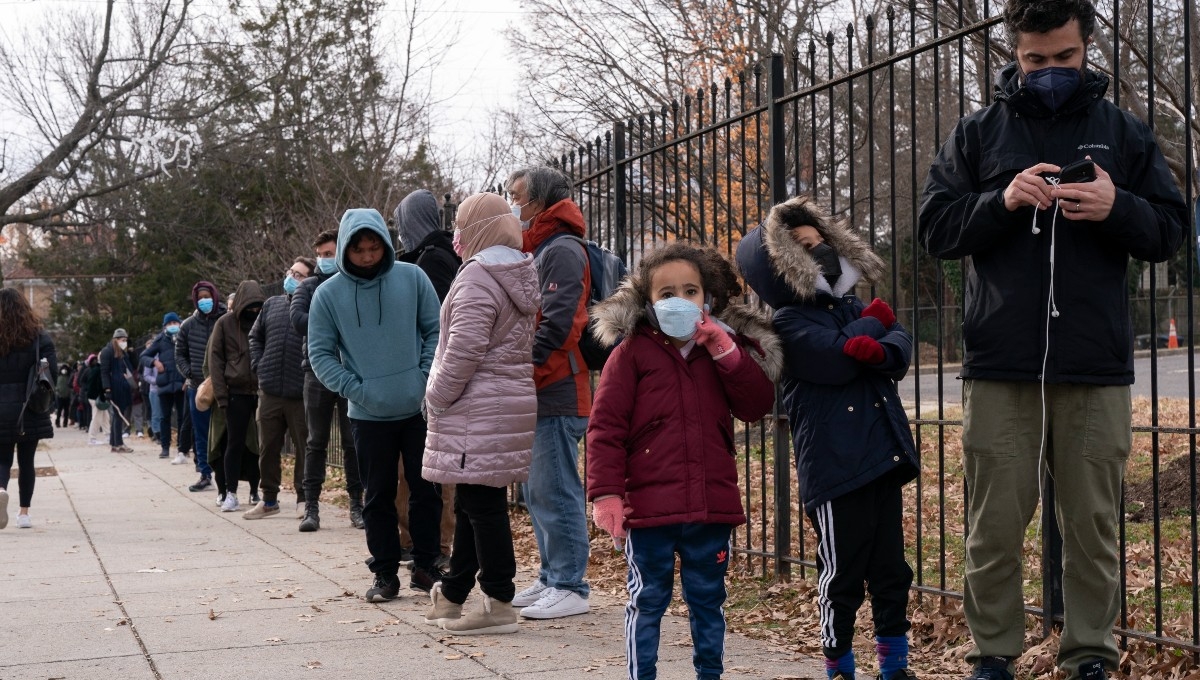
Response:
column 1172, row 375
column 127, row 575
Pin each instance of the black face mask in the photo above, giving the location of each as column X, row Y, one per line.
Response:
column 367, row 273
column 827, row 258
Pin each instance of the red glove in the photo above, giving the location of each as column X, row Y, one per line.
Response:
column 713, row 338
column 608, row 513
column 880, row 310
column 864, row 348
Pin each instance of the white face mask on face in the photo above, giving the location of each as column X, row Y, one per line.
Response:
column 122, row 344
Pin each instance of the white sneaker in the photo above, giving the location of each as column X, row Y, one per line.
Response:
column 179, row 459
column 530, row 595
column 141, row 434
column 94, row 442
column 555, row 604
column 220, row 499
column 3, row 508
column 231, row 503
column 23, row 522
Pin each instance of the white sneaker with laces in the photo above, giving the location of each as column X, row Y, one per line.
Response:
column 555, row 604
column 530, row 595
column 23, row 522
column 231, row 503
column 179, row 459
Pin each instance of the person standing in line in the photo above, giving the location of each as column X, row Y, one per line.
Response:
column 276, row 353
column 541, row 198
column 1047, row 336
column 321, row 404
column 94, row 391
column 169, row 381
column 116, row 372
column 149, row 382
column 22, row 341
column 481, row 406
column 427, row 245
column 191, row 347
column 235, row 386
column 62, row 396
column 372, row 332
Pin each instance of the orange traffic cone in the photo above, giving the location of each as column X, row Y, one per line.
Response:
column 1172, row 337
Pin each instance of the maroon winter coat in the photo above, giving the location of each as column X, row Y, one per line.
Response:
column 661, row 433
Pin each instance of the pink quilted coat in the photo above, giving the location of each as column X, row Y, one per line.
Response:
column 480, row 399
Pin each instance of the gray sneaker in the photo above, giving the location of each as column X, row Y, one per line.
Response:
column 530, row 595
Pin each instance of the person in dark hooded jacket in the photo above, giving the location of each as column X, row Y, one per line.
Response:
column 853, row 445
column 191, row 345
column 169, row 382
column 1047, row 333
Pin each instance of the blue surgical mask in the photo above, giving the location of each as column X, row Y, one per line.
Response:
column 326, row 265
column 205, row 305
column 1054, row 85
column 290, row 284
column 677, row 317
column 173, row 329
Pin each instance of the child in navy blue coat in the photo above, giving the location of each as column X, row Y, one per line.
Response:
column 853, row 446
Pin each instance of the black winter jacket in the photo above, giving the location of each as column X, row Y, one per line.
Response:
column 849, row 427
column 1008, row 272
column 277, row 350
column 14, row 386
column 170, row 380
column 435, row 256
column 298, row 310
column 191, row 343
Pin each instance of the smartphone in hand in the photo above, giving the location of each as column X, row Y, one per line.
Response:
column 1077, row 172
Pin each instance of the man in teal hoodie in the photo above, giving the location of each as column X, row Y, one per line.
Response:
column 372, row 332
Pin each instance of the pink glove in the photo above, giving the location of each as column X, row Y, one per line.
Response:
column 864, row 348
column 880, row 310
column 608, row 512
column 713, row 338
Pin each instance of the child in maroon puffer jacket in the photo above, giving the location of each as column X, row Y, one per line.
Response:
column 661, row 469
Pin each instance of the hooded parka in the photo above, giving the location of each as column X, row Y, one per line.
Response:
column 229, row 347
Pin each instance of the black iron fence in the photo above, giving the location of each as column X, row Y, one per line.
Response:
column 855, row 120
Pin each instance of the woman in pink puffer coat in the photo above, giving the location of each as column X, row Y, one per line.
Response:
column 482, row 408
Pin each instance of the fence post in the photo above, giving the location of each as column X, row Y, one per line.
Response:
column 777, row 175
column 619, row 189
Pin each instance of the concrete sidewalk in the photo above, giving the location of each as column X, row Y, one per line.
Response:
column 125, row 574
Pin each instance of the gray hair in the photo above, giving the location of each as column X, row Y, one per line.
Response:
column 543, row 183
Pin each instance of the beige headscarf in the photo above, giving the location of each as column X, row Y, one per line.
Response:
column 485, row 220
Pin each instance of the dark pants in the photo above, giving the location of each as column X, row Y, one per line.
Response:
column 319, row 407
column 25, row 472
column 123, row 400
column 238, row 415
column 483, row 544
column 860, row 538
column 381, row 446
column 278, row 417
column 703, row 551
column 168, row 402
column 62, row 417
column 185, row 427
column 85, row 412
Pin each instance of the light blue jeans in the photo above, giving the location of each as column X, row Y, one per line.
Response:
column 554, row 495
column 155, row 413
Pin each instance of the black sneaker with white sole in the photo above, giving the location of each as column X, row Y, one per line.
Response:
column 423, row 579
column 386, row 587
column 204, row 483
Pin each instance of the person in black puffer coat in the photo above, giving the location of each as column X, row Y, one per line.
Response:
column 191, row 344
column 22, row 338
column 171, row 399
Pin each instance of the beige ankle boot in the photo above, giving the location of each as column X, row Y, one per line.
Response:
column 494, row 618
column 443, row 610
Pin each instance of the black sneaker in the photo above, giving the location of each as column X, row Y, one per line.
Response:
column 356, row 519
column 406, row 557
column 165, row 454
column 991, row 668
column 386, row 587
column 204, row 483
column 312, row 518
column 255, row 498
column 902, row 674
column 1092, row 670
column 423, row 579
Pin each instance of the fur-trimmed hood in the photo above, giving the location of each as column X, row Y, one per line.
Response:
column 621, row 314
column 782, row 271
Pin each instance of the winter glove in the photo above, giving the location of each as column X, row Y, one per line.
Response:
column 880, row 310
column 713, row 338
column 864, row 348
column 608, row 513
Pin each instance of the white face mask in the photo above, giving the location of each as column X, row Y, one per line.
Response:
column 122, row 344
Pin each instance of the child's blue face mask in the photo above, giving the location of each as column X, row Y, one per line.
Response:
column 677, row 317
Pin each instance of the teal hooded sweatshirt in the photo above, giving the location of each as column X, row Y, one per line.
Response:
column 372, row 340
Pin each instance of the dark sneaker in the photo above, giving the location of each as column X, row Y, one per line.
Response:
column 254, row 497
column 356, row 518
column 442, row 563
column 312, row 518
column 406, row 557
column 1092, row 670
column 902, row 674
column 423, row 579
column 991, row 668
column 386, row 587
column 165, row 454
column 204, row 483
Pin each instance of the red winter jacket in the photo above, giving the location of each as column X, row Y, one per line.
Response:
column 661, row 433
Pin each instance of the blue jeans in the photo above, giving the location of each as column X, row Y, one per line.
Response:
column 155, row 413
column 703, row 551
column 199, row 433
column 554, row 495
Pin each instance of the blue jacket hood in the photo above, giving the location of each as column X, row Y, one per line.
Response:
column 355, row 220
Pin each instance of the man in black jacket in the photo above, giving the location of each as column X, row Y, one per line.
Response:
column 320, row 403
column 276, row 353
column 191, row 343
column 1048, row 344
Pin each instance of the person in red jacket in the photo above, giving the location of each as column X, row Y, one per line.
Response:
column 661, row 469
